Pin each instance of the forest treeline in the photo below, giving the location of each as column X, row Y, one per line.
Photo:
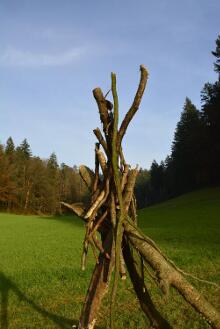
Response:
column 31, row 184
column 194, row 161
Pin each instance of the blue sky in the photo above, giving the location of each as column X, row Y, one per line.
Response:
column 54, row 53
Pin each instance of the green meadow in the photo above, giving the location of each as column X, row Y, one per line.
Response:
column 42, row 285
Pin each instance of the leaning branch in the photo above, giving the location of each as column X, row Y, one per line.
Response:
column 168, row 276
column 134, row 107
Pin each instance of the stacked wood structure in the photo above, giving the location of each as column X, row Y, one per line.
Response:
column 111, row 225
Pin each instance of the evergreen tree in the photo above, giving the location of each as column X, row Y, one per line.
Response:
column 24, row 149
column 53, row 198
column 39, row 186
column 142, row 186
column 10, row 146
column 52, row 163
column 7, row 185
column 211, row 118
column 22, row 173
column 216, row 53
column 29, row 184
column 157, row 182
column 186, row 155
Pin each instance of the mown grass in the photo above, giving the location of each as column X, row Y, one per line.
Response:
column 42, row 286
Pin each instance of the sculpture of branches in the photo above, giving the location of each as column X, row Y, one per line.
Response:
column 111, row 225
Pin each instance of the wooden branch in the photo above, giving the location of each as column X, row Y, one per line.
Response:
column 93, row 245
column 122, row 159
column 98, row 202
column 84, row 254
column 102, row 106
column 124, row 177
column 101, row 139
column 95, row 189
column 122, row 269
column 77, row 208
column 113, row 210
column 99, row 246
column 118, row 229
column 168, row 276
column 99, row 222
column 95, row 204
column 102, row 160
column 134, row 107
column 156, row 319
column 98, row 286
column 87, row 175
column 129, row 188
column 133, row 213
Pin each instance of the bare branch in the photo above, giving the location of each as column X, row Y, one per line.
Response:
column 87, row 176
column 122, row 268
column 77, row 208
column 98, row 287
column 146, row 303
column 95, row 189
column 102, row 160
column 134, row 107
column 95, row 204
column 169, row 276
column 102, row 105
column 129, row 188
column 124, row 177
column 99, row 222
column 101, row 139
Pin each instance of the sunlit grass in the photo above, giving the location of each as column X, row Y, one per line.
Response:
column 42, row 286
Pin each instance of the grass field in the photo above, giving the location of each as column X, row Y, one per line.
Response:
column 42, row 286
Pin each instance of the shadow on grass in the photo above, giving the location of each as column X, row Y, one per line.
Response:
column 7, row 286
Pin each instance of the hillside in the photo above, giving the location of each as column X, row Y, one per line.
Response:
column 189, row 223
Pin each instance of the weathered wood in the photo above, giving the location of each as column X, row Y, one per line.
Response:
column 135, row 105
column 87, row 175
column 98, row 287
column 118, row 229
column 124, row 176
column 169, row 276
column 77, row 208
column 129, row 189
column 103, row 109
column 95, row 189
column 155, row 318
column 101, row 140
column 102, row 160
column 112, row 213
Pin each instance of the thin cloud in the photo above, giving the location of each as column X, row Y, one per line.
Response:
column 21, row 58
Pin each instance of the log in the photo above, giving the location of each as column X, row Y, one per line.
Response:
column 169, row 276
column 155, row 318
